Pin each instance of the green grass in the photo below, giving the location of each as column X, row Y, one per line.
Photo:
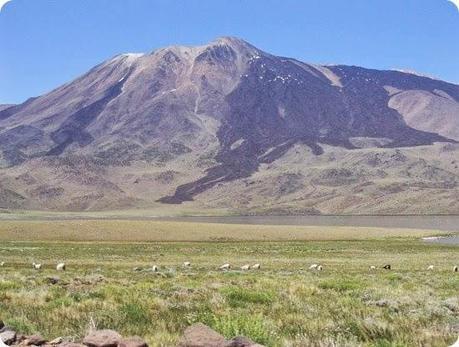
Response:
column 283, row 304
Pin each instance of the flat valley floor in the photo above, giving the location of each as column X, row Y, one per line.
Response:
column 109, row 283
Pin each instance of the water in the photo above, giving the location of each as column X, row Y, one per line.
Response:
column 449, row 240
column 448, row 224
column 444, row 223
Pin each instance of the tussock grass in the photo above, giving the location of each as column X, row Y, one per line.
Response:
column 283, row 304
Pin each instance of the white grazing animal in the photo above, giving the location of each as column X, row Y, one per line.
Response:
column 256, row 267
column 2, row 344
column 154, row 268
column 36, row 266
column 431, row 267
column 455, row 344
column 372, row 267
column 225, row 267
column 2, row 264
column 245, row 267
column 60, row 267
column 187, row 264
column 313, row 266
column 319, row 268
column 456, row 269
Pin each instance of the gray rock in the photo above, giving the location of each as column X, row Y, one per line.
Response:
column 8, row 337
column 200, row 335
column 452, row 304
column 35, row 340
column 382, row 303
column 133, row 341
column 102, row 338
column 53, row 280
column 70, row 344
column 56, row 341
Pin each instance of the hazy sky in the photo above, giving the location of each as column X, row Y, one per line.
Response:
column 44, row 43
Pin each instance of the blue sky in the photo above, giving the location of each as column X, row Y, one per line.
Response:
column 44, row 43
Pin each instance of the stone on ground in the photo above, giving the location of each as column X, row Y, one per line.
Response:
column 200, row 335
column 102, row 338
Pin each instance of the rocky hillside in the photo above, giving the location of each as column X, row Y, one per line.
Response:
column 227, row 125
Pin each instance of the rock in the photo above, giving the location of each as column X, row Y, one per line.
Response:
column 89, row 280
column 2, row 325
column 8, row 336
column 56, row 341
column 19, row 339
column 134, row 341
column 452, row 304
column 382, row 303
column 70, row 344
column 200, row 335
column 242, row 341
column 53, row 280
column 102, row 338
column 35, row 340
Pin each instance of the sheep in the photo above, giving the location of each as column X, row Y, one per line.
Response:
column 456, row 269
column 319, row 268
column 155, row 268
column 372, row 268
column 430, row 267
column 225, row 267
column 387, row 267
column 245, row 267
column 60, row 267
column 187, row 264
column 256, row 267
column 2, row 264
column 36, row 266
column 313, row 266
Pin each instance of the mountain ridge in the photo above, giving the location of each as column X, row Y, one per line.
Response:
column 195, row 118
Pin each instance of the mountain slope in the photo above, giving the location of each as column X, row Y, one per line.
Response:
column 180, row 123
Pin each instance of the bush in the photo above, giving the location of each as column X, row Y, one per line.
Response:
column 253, row 327
column 239, row 297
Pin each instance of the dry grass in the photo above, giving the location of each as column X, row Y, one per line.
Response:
column 283, row 304
column 150, row 231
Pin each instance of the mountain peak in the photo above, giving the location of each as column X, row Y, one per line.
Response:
column 183, row 122
column 236, row 43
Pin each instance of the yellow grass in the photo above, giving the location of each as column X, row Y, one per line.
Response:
column 138, row 230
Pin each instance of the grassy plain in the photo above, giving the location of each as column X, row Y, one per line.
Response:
column 160, row 231
column 283, row 304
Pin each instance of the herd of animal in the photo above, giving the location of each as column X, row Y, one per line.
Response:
column 37, row 266
column 228, row 266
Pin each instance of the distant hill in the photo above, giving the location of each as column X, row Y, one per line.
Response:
column 227, row 125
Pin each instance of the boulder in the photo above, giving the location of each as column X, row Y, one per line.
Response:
column 52, row 280
column 134, row 341
column 56, row 341
column 102, row 338
column 35, row 340
column 8, row 337
column 70, row 344
column 200, row 335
